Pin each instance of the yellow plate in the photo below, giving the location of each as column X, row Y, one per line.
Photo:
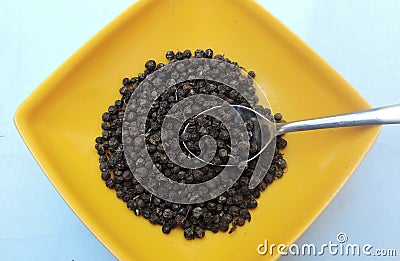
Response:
column 61, row 118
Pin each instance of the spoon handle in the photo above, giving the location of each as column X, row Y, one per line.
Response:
column 377, row 116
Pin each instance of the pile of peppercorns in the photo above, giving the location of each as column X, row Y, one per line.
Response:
column 223, row 213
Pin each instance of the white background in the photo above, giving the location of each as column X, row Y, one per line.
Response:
column 359, row 38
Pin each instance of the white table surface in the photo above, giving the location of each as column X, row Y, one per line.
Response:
column 359, row 38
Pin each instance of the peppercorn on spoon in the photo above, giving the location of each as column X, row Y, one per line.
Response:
column 376, row 116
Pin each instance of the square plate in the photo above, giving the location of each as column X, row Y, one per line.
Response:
column 61, row 118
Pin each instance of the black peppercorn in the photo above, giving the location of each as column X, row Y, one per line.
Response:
column 199, row 232
column 106, row 116
column 141, row 76
column 227, row 218
column 134, row 80
column 180, row 55
column 126, row 197
column 127, row 175
column 168, row 213
column 119, row 193
column 187, row 54
column 223, row 226
column 197, row 212
column 101, row 151
column 156, row 201
column 281, row 163
column 251, row 203
column 146, row 213
column 123, row 90
column 211, row 206
column 170, row 55
column 188, row 233
column 187, row 224
column 278, row 116
column 240, row 221
column 160, row 65
column 110, row 183
column 198, row 175
column 279, row 174
column 180, row 220
column 112, row 109
column 208, row 53
column 175, row 207
column 140, row 203
column 105, row 175
column 126, row 81
column 252, row 74
column 224, row 135
column 219, row 57
column 99, row 140
column 223, row 153
column 150, row 65
column 215, row 228
column 256, row 194
column 237, row 199
column 280, row 143
column 131, row 204
column 166, row 229
column 105, row 125
column 154, row 219
column 199, row 53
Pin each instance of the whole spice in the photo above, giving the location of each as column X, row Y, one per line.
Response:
column 224, row 213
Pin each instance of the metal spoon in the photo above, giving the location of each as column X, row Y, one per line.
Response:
column 377, row 116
